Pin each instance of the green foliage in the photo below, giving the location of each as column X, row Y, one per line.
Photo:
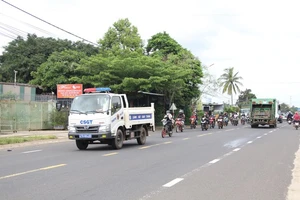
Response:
column 59, row 118
column 231, row 109
column 162, row 44
column 245, row 98
column 119, row 63
column 122, row 37
column 26, row 55
column 60, row 68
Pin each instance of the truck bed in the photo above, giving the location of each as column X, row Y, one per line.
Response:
column 139, row 115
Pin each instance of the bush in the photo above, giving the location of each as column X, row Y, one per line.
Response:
column 59, row 118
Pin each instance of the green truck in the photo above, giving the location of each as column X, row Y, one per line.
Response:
column 263, row 112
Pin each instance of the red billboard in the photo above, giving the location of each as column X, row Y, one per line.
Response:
column 68, row 90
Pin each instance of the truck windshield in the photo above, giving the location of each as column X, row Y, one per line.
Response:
column 90, row 104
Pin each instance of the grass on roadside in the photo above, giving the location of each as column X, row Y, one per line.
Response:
column 22, row 139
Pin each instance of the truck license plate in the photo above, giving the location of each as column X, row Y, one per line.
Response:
column 85, row 136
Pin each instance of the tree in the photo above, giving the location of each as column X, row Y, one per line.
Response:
column 163, row 45
column 245, row 98
column 60, row 68
column 230, row 82
column 121, row 37
column 26, row 55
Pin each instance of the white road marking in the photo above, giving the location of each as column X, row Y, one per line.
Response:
column 249, row 142
column 214, row 161
column 237, row 149
column 266, row 134
column 258, row 137
column 33, row 151
column 171, row 183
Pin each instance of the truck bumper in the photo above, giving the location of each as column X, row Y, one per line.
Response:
column 263, row 122
column 90, row 136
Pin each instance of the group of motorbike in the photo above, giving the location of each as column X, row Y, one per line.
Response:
column 295, row 122
column 205, row 122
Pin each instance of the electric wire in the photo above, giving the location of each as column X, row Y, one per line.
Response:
column 50, row 23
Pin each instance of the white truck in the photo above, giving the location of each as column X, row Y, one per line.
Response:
column 101, row 117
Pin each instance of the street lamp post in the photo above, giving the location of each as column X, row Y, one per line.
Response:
column 15, row 77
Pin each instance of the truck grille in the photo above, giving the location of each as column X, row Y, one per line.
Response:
column 87, row 129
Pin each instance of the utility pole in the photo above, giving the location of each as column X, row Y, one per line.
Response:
column 15, row 82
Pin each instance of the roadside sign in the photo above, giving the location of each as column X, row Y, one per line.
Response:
column 173, row 107
column 68, row 90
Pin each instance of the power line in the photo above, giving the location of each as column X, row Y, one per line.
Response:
column 8, row 35
column 50, row 23
column 32, row 26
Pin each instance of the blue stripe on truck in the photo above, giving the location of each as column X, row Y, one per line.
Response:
column 140, row 116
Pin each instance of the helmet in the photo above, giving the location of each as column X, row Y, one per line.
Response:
column 168, row 112
column 180, row 111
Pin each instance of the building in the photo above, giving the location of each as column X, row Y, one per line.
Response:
column 18, row 91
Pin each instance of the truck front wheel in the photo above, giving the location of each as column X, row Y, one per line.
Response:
column 142, row 139
column 117, row 142
column 82, row 144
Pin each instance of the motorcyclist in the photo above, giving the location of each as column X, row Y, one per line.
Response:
column 181, row 115
column 243, row 117
column 289, row 116
column 195, row 117
column 296, row 117
column 168, row 116
column 221, row 116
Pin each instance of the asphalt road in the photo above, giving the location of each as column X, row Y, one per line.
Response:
column 233, row 163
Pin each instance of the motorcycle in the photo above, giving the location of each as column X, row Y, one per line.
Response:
column 179, row 124
column 289, row 120
column 211, row 122
column 243, row 121
column 279, row 119
column 204, row 124
column 296, row 124
column 167, row 128
column 220, row 123
column 235, row 121
column 193, row 122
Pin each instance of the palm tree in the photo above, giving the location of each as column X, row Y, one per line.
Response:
column 230, row 82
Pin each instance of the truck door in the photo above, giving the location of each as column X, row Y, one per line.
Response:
column 117, row 113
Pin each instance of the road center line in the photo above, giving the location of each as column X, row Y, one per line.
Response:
column 33, row 151
column 258, row 137
column 266, row 134
column 185, row 138
column 168, row 142
column 31, row 171
column 111, row 154
column 173, row 182
column 237, row 149
column 249, row 142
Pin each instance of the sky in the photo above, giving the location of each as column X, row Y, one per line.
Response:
column 259, row 38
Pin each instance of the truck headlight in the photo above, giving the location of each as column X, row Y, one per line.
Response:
column 72, row 129
column 104, row 128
